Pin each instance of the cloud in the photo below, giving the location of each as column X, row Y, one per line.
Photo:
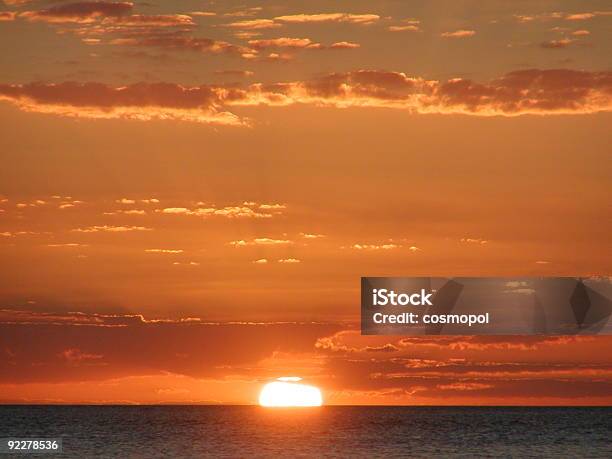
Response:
column 260, row 241
column 276, row 57
column 511, row 369
column 520, row 92
column 158, row 20
column 246, row 12
column 110, row 229
column 187, row 346
column 279, row 21
column 283, row 42
column 557, row 44
column 140, row 101
column 299, row 43
column 69, row 245
column 344, row 45
column 103, row 25
column 527, row 18
column 170, row 251
column 17, row 2
column 19, row 233
column 470, row 240
column 375, row 246
column 261, row 261
column 235, row 73
column 82, row 347
column 464, row 386
column 312, row 235
column 127, row 212
column 202, row 13
column 272, row 206
column 33, row 203
column 73, row 355
column 7, row 16
column 533, row 91
column 383, row 348
column 404, row 28
column 184, row 43
column 243, row 211
column 289, row 260
column 254, row 24
column 362, row 19
column 580, row 16
column 79, row 12
column 462, row 33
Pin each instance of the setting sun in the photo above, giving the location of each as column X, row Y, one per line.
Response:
column 286, row 391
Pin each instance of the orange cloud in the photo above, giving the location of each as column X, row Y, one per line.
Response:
column 283, row 42
column 159, row 20
column 289, row 260
column 81, row 346
column 244, row 211
column 470, row 240
column 246, row 12
column 73, row 355
column 110, row 229
column 388, row 246
column 70, row 245
column 526, row 18
column 557, row 44
column 579, row 16
column 260, row 241
column 79, row 12
column 459, row 34
column 141, row 101
column 404, row 28
column 7, row 16
column 299, row 43
column 516, row 93
column 521, row 92
column 235, row 73
column 202, row 13
column 344, row 45
column 184, row 43
column 329, row 17
column 254, row 24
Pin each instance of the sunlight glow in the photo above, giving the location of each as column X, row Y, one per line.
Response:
column 286, row 391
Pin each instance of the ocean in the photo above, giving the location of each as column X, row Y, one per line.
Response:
column 251, row 431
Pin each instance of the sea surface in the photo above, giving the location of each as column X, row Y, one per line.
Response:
column 249, row 431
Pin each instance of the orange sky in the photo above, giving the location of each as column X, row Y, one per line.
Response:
column 191, row 192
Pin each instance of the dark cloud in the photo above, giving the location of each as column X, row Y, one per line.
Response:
column 517, row 93
column 7, row 16
column 79, row 12
column 138, row 101
column 78, row 346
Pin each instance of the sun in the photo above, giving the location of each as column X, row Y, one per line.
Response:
column 287, row 391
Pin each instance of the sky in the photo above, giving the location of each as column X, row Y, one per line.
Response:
column 190, row 192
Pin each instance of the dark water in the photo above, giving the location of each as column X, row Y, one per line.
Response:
column 210, row 431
